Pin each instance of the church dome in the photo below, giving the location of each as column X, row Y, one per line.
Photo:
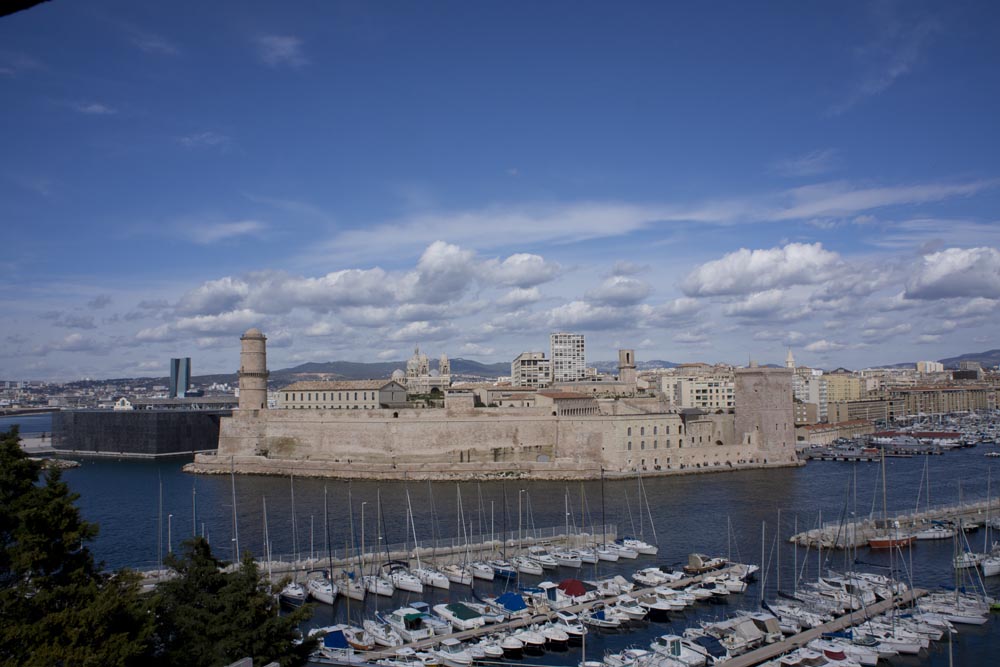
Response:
column 398, row 374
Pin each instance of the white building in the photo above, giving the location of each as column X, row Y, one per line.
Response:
column 715, row 391
column 568, row 357
column 530, row 369
column 809, row 386
column 930, row 367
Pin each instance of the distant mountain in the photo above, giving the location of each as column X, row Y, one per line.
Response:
column 611, row 367
column 987, row 359
column 355, row 370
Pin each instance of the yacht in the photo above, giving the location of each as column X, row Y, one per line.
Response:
column 408, row 624
column 452, row 653
column 322, row 590
column 461, row 617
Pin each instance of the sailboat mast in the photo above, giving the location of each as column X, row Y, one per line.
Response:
column 295, row 532
column 236, row 527
column 604, row 520
column 763, row 579
column 267, row 542
column 326, row 532
column 413, row 526
column 777, row 557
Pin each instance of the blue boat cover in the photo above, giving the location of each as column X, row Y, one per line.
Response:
column 512, row 601
column 335, row 639
column 711, row 645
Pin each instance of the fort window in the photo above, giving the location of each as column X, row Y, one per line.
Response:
column 395, row 415
column 629, row 431
column 355, row 396
column 642, row 430
column 642, row 445
column 654, row 430
column 655, row 444
column 630, row 445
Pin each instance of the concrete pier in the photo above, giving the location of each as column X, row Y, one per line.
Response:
column 850, row 620
column 835, row 535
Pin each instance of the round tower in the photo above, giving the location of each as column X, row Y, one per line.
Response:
column 253, row 370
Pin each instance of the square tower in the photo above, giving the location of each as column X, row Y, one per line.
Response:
column 568, row 359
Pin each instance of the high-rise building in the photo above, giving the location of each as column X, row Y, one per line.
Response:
column 568, row 357
column 530, row 369
column 180, row 377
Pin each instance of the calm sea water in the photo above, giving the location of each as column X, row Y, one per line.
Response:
column 689, row 513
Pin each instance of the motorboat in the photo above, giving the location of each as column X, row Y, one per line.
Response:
column 568, row 558
column 672, row 648
column 967, row 559
column 461, row 616
column 623, row 551
column 554, row 634
column 628, row 605
column 570, row 624
column 490, row 615
column 607, row 554
column 533, row 641
column 436, row 623
column 408, row 624
column 543, row 557
column 630, row 657
column 452, row 653
column 588, row 556
column 935, row 532
column 512, row 646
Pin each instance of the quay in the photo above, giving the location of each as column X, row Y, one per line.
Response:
column 769, row 651
column 514, row 624
column 837, row 535
column 299, row 569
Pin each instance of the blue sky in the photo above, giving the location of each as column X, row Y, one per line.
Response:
column 706, row 182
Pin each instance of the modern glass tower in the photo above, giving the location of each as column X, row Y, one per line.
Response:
column 180, row 377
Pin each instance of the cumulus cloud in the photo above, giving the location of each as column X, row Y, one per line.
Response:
column 690, row 338
column 281, row 50
column 418, row 331
column 824, row 345
column 957, row 272
column 520, row 270
column 519, row 297
column 620, row 291
column 213, row 297
column 927, row 339
column 476, row 350
column 583, row 315
column 746, row 271
column 74, row 342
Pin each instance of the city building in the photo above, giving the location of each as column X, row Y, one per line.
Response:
column 530, row 369
column 342, row 395
column 180, row 377
column 419, row 378
column 809, row 386
column 567, row 356
column 930, row 367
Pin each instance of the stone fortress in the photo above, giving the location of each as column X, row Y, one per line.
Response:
column 560, row 434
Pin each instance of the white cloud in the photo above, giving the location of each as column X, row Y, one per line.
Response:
column 619, row 290
column 200, row 139
column 957, row 272
column 475, row 350
column 521, row 270
column 214, row 296
column 824, row 345
column 95, row 109
column 690, row 338
column 279, row 50
column 519, row 297
column 418, row 331
column 927, row 339
column 810, row 164
column 583, row 315
column 74, row 342
column 745, row 271
column 973, row 307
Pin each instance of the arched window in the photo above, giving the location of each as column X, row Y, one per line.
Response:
column 630, row 445
column 629, row 431
column 642, row 445
column 642, row 430
column 655, row 429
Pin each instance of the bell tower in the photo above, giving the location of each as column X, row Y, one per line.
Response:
column 253, row 370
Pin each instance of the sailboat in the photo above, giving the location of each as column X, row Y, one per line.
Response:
column 460, row 573
column 294, row 594
column 890, row 537
column 428, row 575
column 376, row 582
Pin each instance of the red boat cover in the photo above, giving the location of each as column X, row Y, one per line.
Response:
column 572, row 587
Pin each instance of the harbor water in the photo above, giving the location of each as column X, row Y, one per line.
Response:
column 144, row 508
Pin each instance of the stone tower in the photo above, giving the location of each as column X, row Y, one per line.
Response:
column 253, row 370
column 626, row 367
column 444, row 366
column 765, row 415
column 789, row 359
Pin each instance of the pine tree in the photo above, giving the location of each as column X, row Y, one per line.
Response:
column 207, row 617
column 56, row 606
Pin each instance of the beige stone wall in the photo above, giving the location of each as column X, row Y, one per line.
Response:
column 443, row 444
